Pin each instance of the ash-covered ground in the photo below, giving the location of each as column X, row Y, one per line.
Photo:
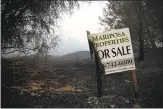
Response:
column 27, row 82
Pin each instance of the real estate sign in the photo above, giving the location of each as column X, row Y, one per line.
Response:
column 114, row 50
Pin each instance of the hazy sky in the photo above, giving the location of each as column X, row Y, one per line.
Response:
column 73, row 29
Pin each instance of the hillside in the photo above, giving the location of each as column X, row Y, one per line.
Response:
column 76, row 55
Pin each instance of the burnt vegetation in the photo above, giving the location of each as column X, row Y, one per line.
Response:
column 40, row 80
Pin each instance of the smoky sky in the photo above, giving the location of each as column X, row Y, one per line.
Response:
column 73, row 28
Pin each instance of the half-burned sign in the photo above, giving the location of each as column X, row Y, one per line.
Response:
column 114, row 50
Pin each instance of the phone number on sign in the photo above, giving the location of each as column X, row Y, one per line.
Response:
column 118, row 63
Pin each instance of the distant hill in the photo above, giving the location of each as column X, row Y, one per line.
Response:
column 76, row 55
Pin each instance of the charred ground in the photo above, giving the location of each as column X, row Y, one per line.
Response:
column 72, row 83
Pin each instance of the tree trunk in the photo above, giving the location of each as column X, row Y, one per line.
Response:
column 141, row 50
column 162, row 23
column 141, row 39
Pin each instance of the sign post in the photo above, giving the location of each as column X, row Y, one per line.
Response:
column 135, row 83
column 113, row 51
column 98, row 73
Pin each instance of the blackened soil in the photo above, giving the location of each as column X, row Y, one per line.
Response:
column 73, row 84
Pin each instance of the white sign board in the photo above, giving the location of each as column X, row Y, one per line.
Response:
column 114, row 49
